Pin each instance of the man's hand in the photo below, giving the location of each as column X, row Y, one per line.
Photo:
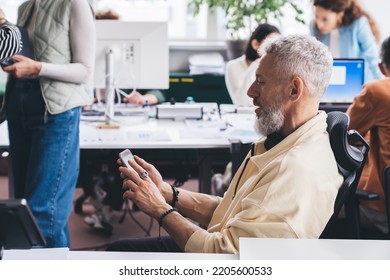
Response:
column 136, row 98
column 143, row 191
column 154, row 175
column 2, row 16
column 23, row 67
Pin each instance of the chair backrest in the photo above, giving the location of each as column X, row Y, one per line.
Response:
column 350, row 161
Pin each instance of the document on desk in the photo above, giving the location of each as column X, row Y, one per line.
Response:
column 241, row 127
column 243, row 135
column 148, row 136
column 92, row 136
column 201, row 133
column 201, row 129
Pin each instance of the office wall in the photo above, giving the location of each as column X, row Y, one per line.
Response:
column 380, row 12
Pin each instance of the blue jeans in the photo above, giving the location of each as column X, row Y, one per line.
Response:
column 44, row 150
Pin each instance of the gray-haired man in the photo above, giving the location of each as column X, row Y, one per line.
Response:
column 287, row 185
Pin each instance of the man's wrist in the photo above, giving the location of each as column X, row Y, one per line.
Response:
column 166, row 192
column 161, row 210
column 175, row 196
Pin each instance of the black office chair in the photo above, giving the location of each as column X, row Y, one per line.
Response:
column 371, row 233
column 350, row 161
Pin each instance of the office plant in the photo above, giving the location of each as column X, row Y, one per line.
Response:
column 243, row 16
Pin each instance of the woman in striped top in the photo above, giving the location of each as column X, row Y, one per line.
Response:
column 10, row 39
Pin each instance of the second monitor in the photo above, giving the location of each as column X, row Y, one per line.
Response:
column 346, row 81
column 140, row 50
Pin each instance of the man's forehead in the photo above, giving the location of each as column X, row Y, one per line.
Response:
column 264, row 65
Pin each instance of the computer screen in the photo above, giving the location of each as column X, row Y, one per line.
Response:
column 346, row 81
column 140, row 54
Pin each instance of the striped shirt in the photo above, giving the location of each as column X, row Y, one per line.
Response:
column 10, row 41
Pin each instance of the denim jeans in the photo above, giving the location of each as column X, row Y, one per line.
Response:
column 44, row 150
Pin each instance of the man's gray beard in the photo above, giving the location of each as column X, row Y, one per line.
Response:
column 270, row 120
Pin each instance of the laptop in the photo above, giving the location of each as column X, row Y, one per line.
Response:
column 346, row 81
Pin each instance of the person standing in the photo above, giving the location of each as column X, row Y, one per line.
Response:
column 348, row 31
column 43, row 102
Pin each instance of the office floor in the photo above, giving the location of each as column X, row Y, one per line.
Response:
column 83, row 237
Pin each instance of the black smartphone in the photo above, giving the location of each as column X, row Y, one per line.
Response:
column 7, row 62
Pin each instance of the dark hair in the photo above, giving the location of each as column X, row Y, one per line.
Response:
column 352, row 11
column 260, row 33
column 385, row 53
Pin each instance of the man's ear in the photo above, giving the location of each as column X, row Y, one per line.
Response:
column 296, row 88
column 383, row 69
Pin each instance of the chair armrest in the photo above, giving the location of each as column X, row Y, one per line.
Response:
column 360, row 194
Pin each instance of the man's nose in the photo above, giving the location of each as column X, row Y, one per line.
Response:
column 251, row 90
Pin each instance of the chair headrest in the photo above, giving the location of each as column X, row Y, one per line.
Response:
column 347, row 156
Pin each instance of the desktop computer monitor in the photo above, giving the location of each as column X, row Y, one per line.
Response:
column 131, row 55
column 140, row 54
column 346, row 81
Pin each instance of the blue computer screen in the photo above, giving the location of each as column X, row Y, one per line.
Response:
column 346, row 81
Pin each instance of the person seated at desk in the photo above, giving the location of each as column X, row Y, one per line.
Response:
column 369, row 115
column 287, row 185
column 137, row 97
column 349, row 31
column 240, row 72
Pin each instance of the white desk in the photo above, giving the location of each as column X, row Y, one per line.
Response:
column 66, row 254
column 313, row 249
column 182, row 134
column 138, row 133
column 250, row 249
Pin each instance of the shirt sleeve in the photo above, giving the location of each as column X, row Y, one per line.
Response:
column 282, row 204
column 10, row 41
column 83, row 41
column 368, row 47
column 160, row 95
column 254, row 220
column 361, row 112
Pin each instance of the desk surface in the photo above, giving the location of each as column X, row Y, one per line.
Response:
column 313, row 249
column 139, row 133
column 66, row 254
column 250, row 249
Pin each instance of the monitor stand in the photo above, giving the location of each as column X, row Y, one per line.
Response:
column 109, row 113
